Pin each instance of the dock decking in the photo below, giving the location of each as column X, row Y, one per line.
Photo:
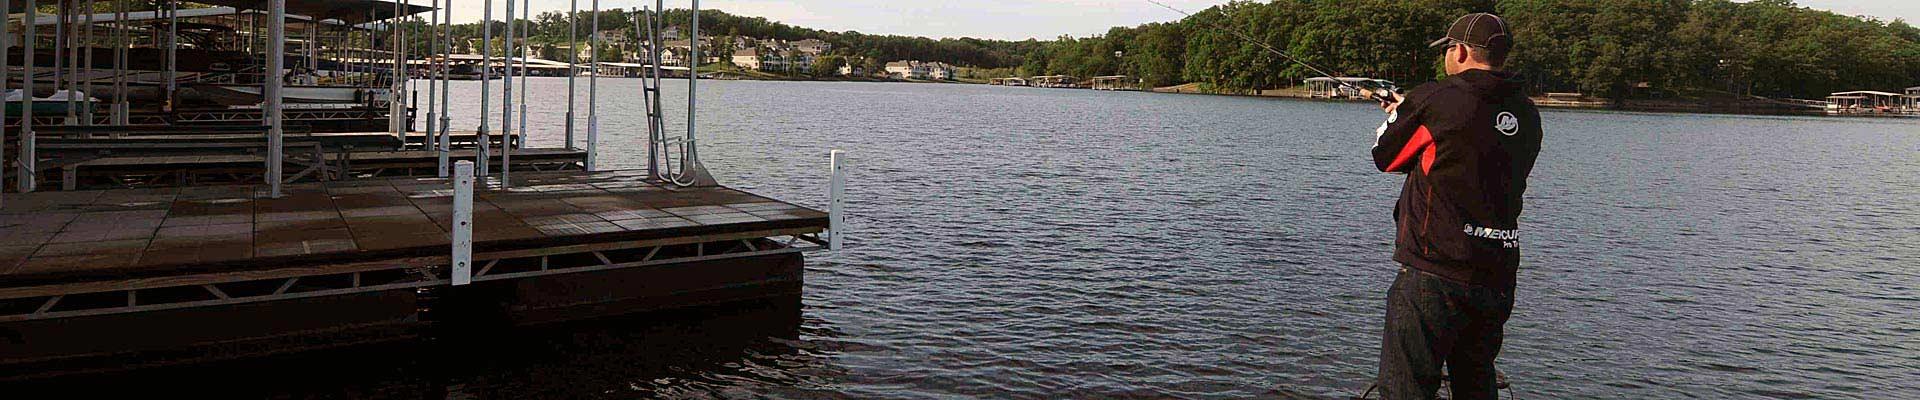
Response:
column 61, row 236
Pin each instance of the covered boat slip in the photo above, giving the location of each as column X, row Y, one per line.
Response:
column 222, row 265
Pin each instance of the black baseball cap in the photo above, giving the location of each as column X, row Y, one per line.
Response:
column 1479, row 30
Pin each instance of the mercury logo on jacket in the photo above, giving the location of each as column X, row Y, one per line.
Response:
column 1467, row 145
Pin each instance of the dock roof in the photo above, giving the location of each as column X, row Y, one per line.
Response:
column 349, row 11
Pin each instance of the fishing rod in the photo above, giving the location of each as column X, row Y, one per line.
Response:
column 1382, row 94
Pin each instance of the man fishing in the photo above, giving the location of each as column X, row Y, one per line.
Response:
column 1466, row 145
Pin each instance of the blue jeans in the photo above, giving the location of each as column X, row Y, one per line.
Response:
column 1433, row 322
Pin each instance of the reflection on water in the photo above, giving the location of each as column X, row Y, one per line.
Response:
column 716, row 351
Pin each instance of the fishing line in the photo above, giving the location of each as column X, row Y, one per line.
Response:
column 1378, row 93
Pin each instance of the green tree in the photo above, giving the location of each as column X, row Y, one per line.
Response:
column 828, row 65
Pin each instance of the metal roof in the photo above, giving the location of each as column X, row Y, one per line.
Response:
column 1866, row 92
column 349, row 11
column 101, row 18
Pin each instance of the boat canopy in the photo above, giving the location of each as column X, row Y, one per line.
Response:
column 185, row 13
column 345, row 11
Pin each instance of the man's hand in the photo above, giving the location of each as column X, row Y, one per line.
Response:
column 1391, row 102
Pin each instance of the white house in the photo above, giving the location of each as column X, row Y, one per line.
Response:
column 940, row 71
column 814, row 47
column 748, row 58
column 920, row 70
column 852, row 70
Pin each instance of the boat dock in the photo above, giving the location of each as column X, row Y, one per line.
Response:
column 208, row 265
column 274, row 227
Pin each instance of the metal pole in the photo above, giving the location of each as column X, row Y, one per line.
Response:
column 121, row 38
column 506, row 98
column 593, row 91
column 27, row 158
column 693, row 86
column 462, row 223
column 573, row 61
column 655, row 122
column 486, row 60
column 86, row 67
column 446, row 121
column 396, row 107
column 506, row 148
column 60, row 52
column 276, row 60
column 6, row 76
column 836, row 197
column 432, row 87
column 173, row 56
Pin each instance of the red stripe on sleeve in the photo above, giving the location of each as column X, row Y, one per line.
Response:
column 1421, row 140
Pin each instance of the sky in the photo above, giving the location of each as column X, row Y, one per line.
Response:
column 1006, row 19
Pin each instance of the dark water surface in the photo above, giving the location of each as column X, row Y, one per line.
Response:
column 1035, row 243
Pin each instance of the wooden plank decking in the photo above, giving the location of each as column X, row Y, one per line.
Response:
column 57, row 237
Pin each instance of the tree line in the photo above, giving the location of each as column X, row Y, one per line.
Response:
column 1608, row 48
column 1612, row 48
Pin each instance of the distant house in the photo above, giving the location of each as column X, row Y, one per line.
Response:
column 905, row 70
column 814, row 47
column 673, row 56
column 748, row 58
column 938, row 71
column 852, row 70
column 757, row 60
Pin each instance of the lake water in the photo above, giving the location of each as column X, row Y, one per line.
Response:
column 1039, row 243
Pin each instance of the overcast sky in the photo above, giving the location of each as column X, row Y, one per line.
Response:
column 1006, row 19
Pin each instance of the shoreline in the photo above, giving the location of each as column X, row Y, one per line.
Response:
column 1754, row 107
column 1696, row 106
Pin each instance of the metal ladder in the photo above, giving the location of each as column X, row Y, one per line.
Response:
column 672, row 159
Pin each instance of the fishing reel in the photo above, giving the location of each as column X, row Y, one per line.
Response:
column 1381, row 91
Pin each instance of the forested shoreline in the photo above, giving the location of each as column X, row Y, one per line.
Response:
column 1613, row 49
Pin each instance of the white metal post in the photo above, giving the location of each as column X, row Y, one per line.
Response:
column 6, row 72
column 526, row 53
column 86, row 66
column 486, row 68
column 276, row 61
column 26, row 157
column 573, row 61
column 506, row 99
column 593, row 90
column 396, row 107
column 836, row 197
column 462, row 223
column 173, row 44
column 446, row 120
column 433, row 87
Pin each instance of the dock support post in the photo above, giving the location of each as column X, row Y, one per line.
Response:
column 526, row 53
column 482, row 138
column 573, row 61
column 173, row 55
column 6, row 45
column 836, row 196
column 25, row 156
column 446, row 120
column 506, row 99
column 276, row 60
column 433, row 89
column 397, row 88
column 462, row 223
column 593, row 88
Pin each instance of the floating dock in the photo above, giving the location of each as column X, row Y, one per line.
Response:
column 235, row 232
column 181, row 274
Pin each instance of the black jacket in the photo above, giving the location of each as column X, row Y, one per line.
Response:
column 1466, row 144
